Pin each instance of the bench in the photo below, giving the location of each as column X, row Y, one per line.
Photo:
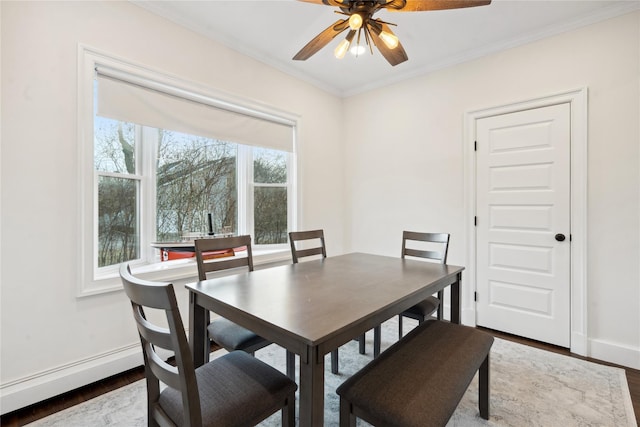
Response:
column 419, row 380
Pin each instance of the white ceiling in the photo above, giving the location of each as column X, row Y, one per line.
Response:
column 273, row 31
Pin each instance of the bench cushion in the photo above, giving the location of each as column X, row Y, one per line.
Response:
column 420, row 380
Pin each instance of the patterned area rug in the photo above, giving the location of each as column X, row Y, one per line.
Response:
column 529, row 387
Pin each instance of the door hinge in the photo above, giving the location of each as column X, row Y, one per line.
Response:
column 475, row 296
column 570, row 237
column 475, row 221
column 475, row 145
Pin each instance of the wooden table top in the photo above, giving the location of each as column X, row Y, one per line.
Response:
column 316, row 300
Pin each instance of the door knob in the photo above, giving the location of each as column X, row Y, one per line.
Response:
column 560, row 237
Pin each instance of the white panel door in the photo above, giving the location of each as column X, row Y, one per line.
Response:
column 523, row 211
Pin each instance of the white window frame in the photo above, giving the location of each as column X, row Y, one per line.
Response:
column 97, row 281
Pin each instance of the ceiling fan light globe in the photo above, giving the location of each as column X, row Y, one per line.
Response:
column 389, row 39
column 355, row 21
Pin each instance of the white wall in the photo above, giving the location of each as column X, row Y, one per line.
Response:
column 53, row 341
column 406, row 166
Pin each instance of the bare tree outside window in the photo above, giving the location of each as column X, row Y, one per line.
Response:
column 118, row 193
column 195, row 176
column 270, row 196
column 118, row 220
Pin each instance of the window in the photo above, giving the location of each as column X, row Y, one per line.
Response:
column 270, row 196
column 170, row 162
column 200, row 174
column 118, row 196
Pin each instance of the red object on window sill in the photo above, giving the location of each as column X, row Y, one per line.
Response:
column 169, row 255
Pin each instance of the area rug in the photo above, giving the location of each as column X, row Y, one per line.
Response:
column 529, row 387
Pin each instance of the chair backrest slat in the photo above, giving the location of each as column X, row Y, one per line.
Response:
column 219, row 254
column 301, row 253
column 160, row 337
column 297, row 236
column 435, row 255
column 165, row 372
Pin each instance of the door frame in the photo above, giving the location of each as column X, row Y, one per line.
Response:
column 577, row 99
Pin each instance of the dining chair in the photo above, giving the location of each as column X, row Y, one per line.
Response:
column 427, row 307
column 217, row 254
column 315, row 238
column 234, row 389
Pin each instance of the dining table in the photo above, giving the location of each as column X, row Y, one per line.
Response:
column 313, row 307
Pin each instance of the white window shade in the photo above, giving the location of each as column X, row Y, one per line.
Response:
column 126, row 97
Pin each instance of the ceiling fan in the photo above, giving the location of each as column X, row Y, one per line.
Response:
column 360, row 21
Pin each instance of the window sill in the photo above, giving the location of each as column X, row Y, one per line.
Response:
column 181, row 269
column 186, row 268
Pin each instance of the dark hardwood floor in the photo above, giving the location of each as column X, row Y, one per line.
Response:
column 55, row 404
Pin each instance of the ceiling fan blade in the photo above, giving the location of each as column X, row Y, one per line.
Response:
column 336, row 3
column 422, row 5
column 394, row 56
column 322, row 39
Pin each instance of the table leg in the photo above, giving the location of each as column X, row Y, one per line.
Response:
column 312, row 388
column 455, row 299
column 198, row 339
column 291, row 365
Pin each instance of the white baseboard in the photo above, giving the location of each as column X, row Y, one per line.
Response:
column 467, row 317
column 44, row 385
column 579, row 344
column 596, row 349
column 614, row 353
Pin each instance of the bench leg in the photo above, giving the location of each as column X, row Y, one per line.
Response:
column 361, row 344
column 377, row 337
column 483, row 389
column 399, row 326
column 347, row 418
column 334, row 361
